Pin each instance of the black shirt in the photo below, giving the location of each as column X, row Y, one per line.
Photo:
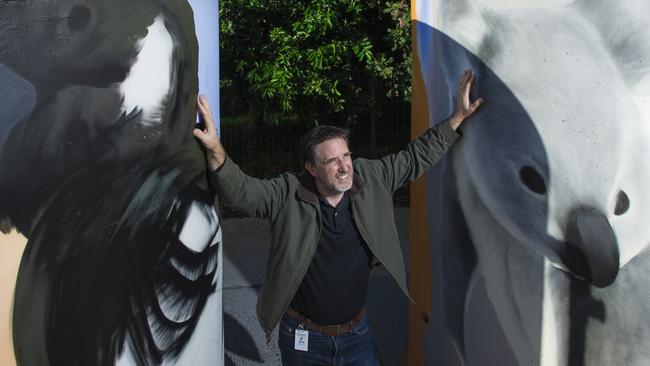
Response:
column 335, row 285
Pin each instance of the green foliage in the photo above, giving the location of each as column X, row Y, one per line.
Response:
column 312, row 59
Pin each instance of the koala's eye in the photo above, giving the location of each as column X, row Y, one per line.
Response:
column 622, row 203
column 532, row 179
column 78, row 18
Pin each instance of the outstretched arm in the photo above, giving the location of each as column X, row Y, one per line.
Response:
column 257, row 197
column 425, row 151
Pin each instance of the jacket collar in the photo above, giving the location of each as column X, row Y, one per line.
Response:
column 308, row 192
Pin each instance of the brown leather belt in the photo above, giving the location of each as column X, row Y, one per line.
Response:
column 328, row 330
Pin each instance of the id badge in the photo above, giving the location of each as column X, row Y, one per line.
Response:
column 301, row 341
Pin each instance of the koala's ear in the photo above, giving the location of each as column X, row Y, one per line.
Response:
column 624, row 27
column 460, row 30
column 461, row 20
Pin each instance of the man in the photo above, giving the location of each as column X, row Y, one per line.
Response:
column 329, row 225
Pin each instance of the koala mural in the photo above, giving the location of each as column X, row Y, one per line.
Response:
column 100, row 172
column 537, row 217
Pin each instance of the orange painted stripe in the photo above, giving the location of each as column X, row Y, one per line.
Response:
column 420, row 277
column 413, row 10
column 12, row 246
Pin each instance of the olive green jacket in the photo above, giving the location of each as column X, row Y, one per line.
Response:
column 290, row 202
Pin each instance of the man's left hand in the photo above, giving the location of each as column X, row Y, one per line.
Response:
column 464, row 108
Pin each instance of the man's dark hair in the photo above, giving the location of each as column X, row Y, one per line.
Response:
column 316, row 136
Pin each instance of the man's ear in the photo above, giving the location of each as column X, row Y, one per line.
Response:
column 311, row 168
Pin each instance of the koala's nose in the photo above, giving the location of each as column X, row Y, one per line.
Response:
column 592, row 249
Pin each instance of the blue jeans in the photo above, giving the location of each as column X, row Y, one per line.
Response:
column 353, row 348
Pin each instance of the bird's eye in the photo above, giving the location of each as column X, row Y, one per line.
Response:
column 532, row 179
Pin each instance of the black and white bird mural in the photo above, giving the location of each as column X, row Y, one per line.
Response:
column 538, row 217
column 101, row 175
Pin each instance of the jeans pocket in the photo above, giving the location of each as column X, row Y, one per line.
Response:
column 286, row 327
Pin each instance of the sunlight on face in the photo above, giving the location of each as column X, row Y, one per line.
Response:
column 333, row 169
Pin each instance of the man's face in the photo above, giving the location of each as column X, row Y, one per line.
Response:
column 332, row 168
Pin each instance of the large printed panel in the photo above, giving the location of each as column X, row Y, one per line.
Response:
column 108, row 227
column 537, row 217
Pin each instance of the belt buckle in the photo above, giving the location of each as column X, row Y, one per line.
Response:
column 325, row 328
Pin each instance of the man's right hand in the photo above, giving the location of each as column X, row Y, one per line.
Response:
column 215, row 152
